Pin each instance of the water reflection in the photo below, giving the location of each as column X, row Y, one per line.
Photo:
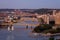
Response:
column 21, row 33
column 51, row 38
column 38, row 37
column 10, row 37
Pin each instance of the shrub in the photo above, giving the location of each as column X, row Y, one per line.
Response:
column 42, row 28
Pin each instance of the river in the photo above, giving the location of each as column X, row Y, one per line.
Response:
column 21, row 33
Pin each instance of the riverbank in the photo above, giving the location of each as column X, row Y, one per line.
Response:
column 43, row 34
column 46, row 30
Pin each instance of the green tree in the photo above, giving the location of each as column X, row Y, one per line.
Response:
column 42, row 28
column 40, row 20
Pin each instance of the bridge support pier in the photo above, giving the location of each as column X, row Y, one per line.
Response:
column 10, row 28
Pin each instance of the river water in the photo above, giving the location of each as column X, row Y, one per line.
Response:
column 21, row 33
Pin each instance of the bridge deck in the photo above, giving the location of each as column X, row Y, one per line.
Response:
column 23, row 24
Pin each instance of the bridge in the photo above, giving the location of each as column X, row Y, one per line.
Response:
column 11, row 28
column 20, row 23
column 23, row 24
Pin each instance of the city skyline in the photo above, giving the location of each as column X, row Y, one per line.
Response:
column 29, row 4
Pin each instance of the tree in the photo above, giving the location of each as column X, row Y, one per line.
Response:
column 40, row 20
column 42, row 28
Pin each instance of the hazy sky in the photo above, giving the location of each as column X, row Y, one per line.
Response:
column 19, row 4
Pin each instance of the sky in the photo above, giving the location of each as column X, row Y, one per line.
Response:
column 30, row 4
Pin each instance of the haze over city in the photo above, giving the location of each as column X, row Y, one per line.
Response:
column 30, row 4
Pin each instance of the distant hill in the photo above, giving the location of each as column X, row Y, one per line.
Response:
column 45, row 11
column 42, row 11
column 6, row 10
column 39, row 11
